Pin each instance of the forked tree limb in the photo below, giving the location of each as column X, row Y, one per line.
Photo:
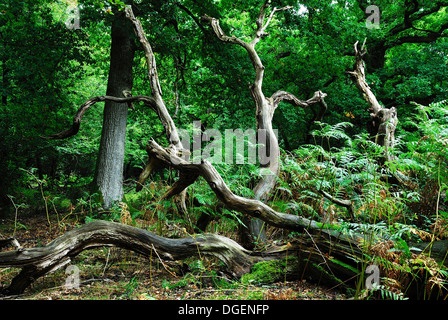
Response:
column 330, row 260
column 155, row 101
column 251, row 207
column 38, row 261
column 265, row 107
column 156, row 91
column 340, row 202
column 264, row 110
column 317, row 98
column 261, row 24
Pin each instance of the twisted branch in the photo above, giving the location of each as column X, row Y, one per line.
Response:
column 74, row 129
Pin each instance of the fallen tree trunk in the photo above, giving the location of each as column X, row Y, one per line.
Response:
column 332, row 260
column 382, row 126
column 38, row 261
column 308, row 257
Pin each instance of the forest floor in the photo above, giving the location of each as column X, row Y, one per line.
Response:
column 113, row 274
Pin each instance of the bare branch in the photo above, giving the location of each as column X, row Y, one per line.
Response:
column 250, row 207
column 10, row 242
column 159, row 106
column 343, row 203
column 149, row 55
column 280, row 96
column 74, row 129
column 359, row 78
column 317, row 98
column 214, row 23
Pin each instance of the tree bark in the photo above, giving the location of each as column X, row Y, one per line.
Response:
column 38, row 261
column 339, row 255
column 255, row 208
column 109, row 170
column 331, row 259
column 109, row 174
column 77, row 119
column 5, row 82
column 381, row 127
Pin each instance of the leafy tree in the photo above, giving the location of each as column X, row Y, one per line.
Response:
column 41, row 60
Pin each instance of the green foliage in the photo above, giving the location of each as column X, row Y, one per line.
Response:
column 268, row 272
column 202, row 78
column 45, row 68
column 385, row 293
column 47, row 71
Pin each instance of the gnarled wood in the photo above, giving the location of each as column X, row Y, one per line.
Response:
column 251, row 207
column 38, row 261
column 310, row 252
column 159, row 107
column 264, row 110
column 155, row 101
column 156, row 91
column 74, row 129
column 383, row 121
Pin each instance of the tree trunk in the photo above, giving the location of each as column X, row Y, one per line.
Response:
column 109, row 171
column 159, row 107
column 265, row 107
column 383, row 121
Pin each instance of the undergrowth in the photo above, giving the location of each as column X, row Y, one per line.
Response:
column 397, row 212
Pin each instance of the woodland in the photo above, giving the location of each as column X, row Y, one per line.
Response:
column 113, row 116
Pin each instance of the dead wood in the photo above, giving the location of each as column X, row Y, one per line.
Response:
column 38, row 261
column 77, row 119
column 264, row 112
column 315, row 256
column 384, row 121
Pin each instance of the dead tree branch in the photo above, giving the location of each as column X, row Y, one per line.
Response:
column 311, row 251
column 251, row 207
column 264, row 110
column 384, row 121
column 74, row 129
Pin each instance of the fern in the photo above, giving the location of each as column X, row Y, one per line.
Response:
column 387, row 294
column 333, row 131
